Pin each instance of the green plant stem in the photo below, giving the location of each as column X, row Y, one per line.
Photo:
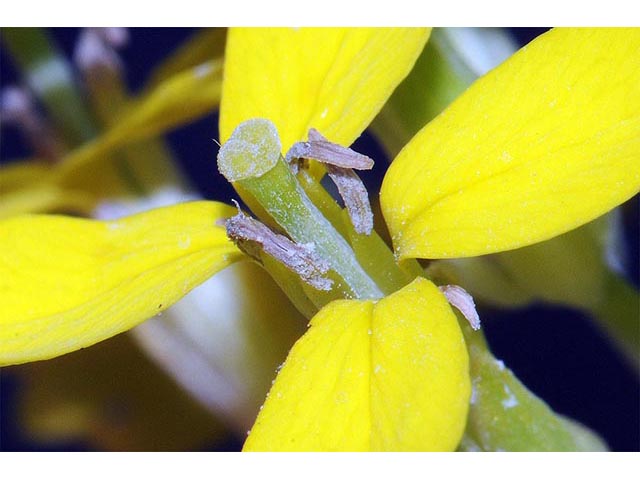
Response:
column 439, row 77
column 441, row 73
column 291, row 285
column 279, row 193
column 372, row 253
column 505, row 415
column 619, row 314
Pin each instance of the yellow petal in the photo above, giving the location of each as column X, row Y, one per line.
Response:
column 333, row 79
column 543, row 144
column 569, row 269
column 30, row 186
column 14, row 175
column 66, row 283
column 43, row 197
column 95, row 170
column 391, row 375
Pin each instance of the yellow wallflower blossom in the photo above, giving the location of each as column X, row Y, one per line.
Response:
column 544, row 143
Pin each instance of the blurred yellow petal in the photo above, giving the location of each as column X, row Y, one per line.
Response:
column 66, row 283
column 204, row 45
column 16, row 174
column 543, row 144
column 28, row 186
column 46, row 198
column 178, row 100
column 333, row 79
column 391, row 375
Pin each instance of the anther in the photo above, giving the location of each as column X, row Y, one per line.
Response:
column 460, row 298
column 96, row 56
column 322, row 150
column 340, row 163
column 17, row 107
column 255, row 238
column 355, row 197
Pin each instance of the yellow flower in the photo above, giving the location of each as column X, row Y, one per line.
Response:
column 544, row 143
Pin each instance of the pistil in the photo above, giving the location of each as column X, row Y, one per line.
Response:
column 252, row 160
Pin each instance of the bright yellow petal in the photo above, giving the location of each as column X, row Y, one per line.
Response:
column 66, row 283
column 333, row 79
column 391, row 375
column 546, row 142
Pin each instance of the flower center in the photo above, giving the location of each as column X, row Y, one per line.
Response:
column 334, row 254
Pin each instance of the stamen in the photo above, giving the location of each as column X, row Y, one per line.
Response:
column 355, row 197
column 460, row 298
column 17, row 106
column 96, row 56
column 322, row 150
column 117, row 37
column 340, row 162
column 253, row 238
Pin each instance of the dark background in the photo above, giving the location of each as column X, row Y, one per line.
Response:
column 557, row 353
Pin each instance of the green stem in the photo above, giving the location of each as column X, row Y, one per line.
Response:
column 371, row 251
column 505, row 415
column 440, row 75
column 290, row 284
column 49, row 75
column 252, row 161
column 619, row 314
column 301, row 219
column 437, row 78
